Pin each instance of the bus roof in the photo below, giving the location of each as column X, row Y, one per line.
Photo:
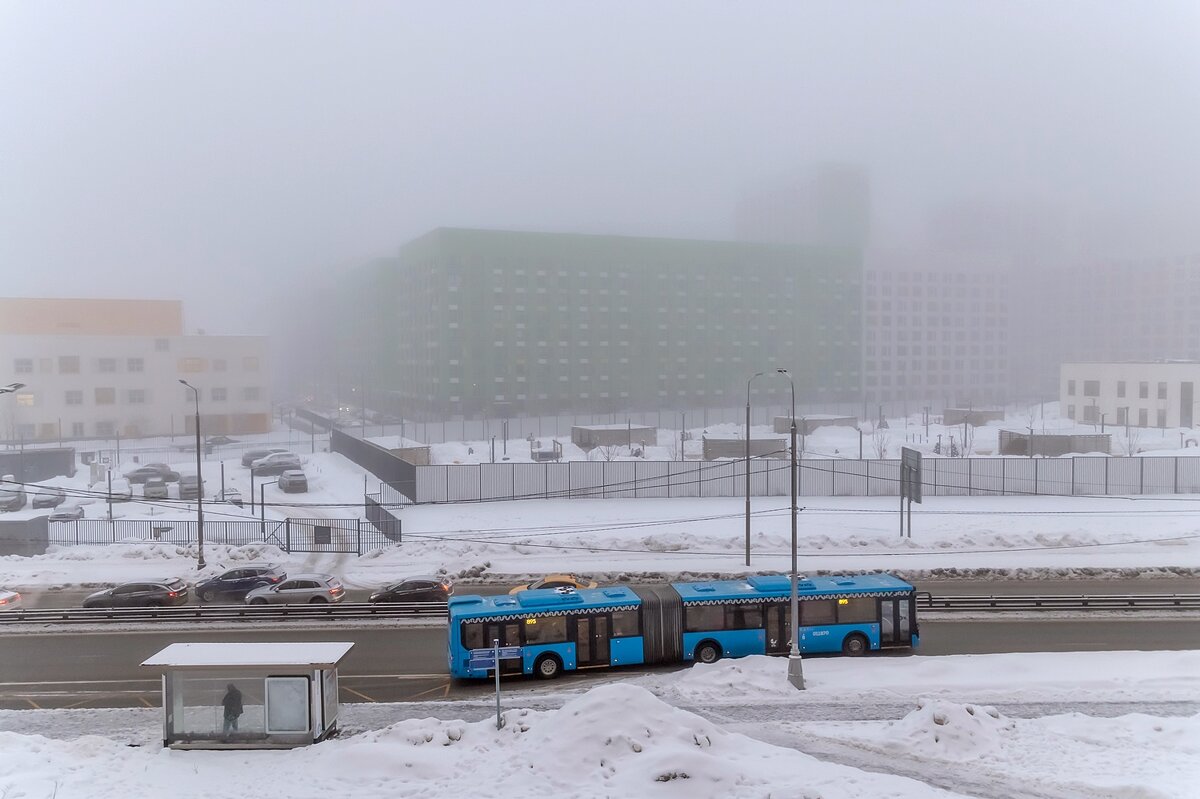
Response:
column 777, row 585
column 541, row 600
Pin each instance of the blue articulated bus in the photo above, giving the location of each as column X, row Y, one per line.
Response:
column 564, row 629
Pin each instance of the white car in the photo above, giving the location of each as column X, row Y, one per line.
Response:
column 9, row 600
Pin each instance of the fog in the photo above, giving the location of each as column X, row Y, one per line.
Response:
column 223, row 152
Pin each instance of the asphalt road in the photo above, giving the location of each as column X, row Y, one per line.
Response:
column 392, row 664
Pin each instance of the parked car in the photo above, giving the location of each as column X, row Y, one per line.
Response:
column 299, row 589
column 190, row 487
column 556, row 581
column 415, row 589
column 293, row 481
column 9, row 600
column 12, row 494
column 140, row 595
column 236, row 583
column 220, row 441
column 230, row 495
column 250, row 456
column 120, row 491
column 276, row 463
column 49, row 497
column 151, row 471
column 67, row 513
column 155, row 488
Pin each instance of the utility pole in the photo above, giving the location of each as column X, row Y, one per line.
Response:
column 795, row 666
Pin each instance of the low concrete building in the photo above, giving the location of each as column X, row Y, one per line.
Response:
column 973, row 416
column 805, row 425
column 1052, row 445
column 717, row 448
column 607, row 435
column 1145, row 394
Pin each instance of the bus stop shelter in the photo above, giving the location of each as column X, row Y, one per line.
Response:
column 248, row 695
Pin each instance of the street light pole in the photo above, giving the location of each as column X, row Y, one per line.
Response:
column 262, row 505
column 748, row 382
column 199, row 481
column 795, row 667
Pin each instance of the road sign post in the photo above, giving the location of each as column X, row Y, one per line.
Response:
column 490, row 659
column 910, row 484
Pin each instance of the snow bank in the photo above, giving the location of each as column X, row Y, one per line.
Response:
column 950, row 730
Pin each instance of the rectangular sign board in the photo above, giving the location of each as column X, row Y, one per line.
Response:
column 489, row 654
column 910, row 474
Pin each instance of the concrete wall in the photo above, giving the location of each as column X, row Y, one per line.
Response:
column 975, row 418
column 805, row 425
column 716, row 448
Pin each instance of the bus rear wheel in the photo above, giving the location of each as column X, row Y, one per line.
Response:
column 547, row 667
column 708, row 652
column 855, row 645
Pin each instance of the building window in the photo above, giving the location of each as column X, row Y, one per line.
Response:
column 1143, row 416
column 1070, row 388
column 1123, row 415
column 23, row 366
column 77, row 429
column 104, row 429
column 251, row 393
column 1091, row 414
column 137, row 396
column 1070, row 411
column 191, row 365
column 68, row 364
column 1162, row 418
column 219, row 394
column 162, row 345
column 1162, row 391
column 107, row 365
column 1120, row 388
column 135, row 365
column 25, row 400
column 250, row 363
column 106, row 396
column 1143, row 390
column 1091, row 388
column 74, row 397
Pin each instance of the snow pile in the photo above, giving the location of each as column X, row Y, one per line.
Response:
column 950, row 730
column 615, row 740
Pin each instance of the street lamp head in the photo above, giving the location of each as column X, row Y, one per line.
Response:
column 11, row 387
column 782, row 371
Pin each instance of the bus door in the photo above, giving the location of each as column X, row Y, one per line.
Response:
column 509, row 634
column 778, row 627
column 895, row 622
column 591, row 641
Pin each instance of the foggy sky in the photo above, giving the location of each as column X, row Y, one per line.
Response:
column 217, row 151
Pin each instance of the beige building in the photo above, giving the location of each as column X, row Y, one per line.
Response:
column 98, row 368
column 1148, row 394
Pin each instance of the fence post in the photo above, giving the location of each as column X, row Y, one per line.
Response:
column 1142, row 476
column 1035, row 471
column 287, row 533
column 1004, row 476
column 970, row 489
column 1176, row 475
column 603, row 481
column 868, row 463
column 479, row 495
column 1106, row 477
column 358, row 529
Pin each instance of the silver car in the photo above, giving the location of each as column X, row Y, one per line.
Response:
column 299, row 589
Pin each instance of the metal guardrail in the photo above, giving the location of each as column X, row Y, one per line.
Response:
column 348, row 610
column 925, row 601
column 1048, row 602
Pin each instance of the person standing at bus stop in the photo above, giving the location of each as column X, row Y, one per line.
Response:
column 233, row 707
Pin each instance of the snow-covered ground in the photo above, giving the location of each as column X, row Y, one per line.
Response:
column 732, row 729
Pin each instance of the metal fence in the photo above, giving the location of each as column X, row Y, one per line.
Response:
column 381, row 517
column 817, row 478
column 397, row 473
column 290, row 535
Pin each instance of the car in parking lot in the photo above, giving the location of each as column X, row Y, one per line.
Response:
column 556, row 581
column 12, row 494
column 276, row 463
column 120, row 491
column 250, row 456
column 9, row 600
column 313, row 589
column 151, row 471
column 230, row 495
column 155, row 488
column 149, row 594
column 189, row 487
column 49, row 497
column 236, row 583
column 66, row 513
column 415, row 589
column 293, row 481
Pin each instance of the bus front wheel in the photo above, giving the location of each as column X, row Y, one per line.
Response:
column 708, row 652
column 855, row 645
column 547, row 667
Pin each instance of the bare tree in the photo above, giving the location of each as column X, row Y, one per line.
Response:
column 880, row 438
column 608, row 452
column 968, row 441
column 1130, row 443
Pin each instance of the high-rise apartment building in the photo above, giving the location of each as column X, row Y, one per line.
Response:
column 828, row 206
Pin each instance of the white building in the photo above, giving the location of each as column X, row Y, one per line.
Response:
column 98, row 368
column 1148, row 394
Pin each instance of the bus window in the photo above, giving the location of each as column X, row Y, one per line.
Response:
column 743, row 617
column 546, row 630
column 472, row 635
column 817, row 611
column 856, row 610
column 625, row 623
column 704, row 618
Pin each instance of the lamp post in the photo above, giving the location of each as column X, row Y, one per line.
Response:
column 199, row 480
column 262, row 506
column 795, row 667
column 748, row 382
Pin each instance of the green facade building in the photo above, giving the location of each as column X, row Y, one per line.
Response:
column 479, row 322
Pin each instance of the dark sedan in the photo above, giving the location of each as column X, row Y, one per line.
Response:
column 415, row 589
column 151, row 471
column 236, row 583
column 140, row 595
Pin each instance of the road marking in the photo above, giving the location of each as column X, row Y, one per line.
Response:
column 357, row 693
column 36, row 706
column 144, row 702
column 445, row 689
